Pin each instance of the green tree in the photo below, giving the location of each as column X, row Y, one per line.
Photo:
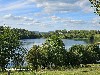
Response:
column 75, row 54
column 34, row 56
column 79, row 54
column 91, row 54
column 51, row 54
column 96, row 5
column 44, row 55
column 9, row 42
column 56, row 51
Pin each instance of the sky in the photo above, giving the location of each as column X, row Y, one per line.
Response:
column 48, row 15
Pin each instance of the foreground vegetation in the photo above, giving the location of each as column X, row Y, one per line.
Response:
column 50, row 55
column 78, row 71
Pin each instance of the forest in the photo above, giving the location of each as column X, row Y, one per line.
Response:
column 91, row 35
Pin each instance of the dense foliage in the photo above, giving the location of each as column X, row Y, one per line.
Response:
column 10, row 47
column 87, row 35
column 80, row 34
column 96, row 5
column 24, row 34
column 52, row 54
column 91, row 35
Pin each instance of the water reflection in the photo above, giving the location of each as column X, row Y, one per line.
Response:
column 28, row 43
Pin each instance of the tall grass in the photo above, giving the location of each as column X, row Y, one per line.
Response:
column 80, row 71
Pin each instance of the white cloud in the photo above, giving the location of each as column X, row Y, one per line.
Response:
column 49, row 23
column 14, row 5
column 85, row 5
column 63, row 5
column 43, row 17
column 66, row 20
column 23, row 21
column 55, row 18
column 50, row 5
column 95, row 21
column 12, row 17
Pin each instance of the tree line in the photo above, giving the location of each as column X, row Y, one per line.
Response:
column 87, row 35
column 64, row 34
column 23, row 34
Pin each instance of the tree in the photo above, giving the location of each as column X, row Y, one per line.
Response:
column 79, row 54
column 96, row 5
column 75, row 54
column 38, row 56
column 50, row 54
column 9, row 42
column 34, row 56
column 44, row 56
column 56, row 51
column 91, row 54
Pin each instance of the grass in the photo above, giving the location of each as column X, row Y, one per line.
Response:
column 80, row 71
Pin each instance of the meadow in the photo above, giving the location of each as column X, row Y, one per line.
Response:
column 93, row 70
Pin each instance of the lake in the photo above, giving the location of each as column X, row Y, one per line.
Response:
column 28, row 43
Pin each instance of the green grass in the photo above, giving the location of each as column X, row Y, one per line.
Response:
column 80, row 71
column 93, row 70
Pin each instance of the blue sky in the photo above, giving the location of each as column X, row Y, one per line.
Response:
column 48, row 15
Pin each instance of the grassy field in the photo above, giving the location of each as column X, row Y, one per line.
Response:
column 80, row 71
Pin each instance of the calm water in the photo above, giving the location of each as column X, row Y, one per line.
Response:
column 28, row 43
